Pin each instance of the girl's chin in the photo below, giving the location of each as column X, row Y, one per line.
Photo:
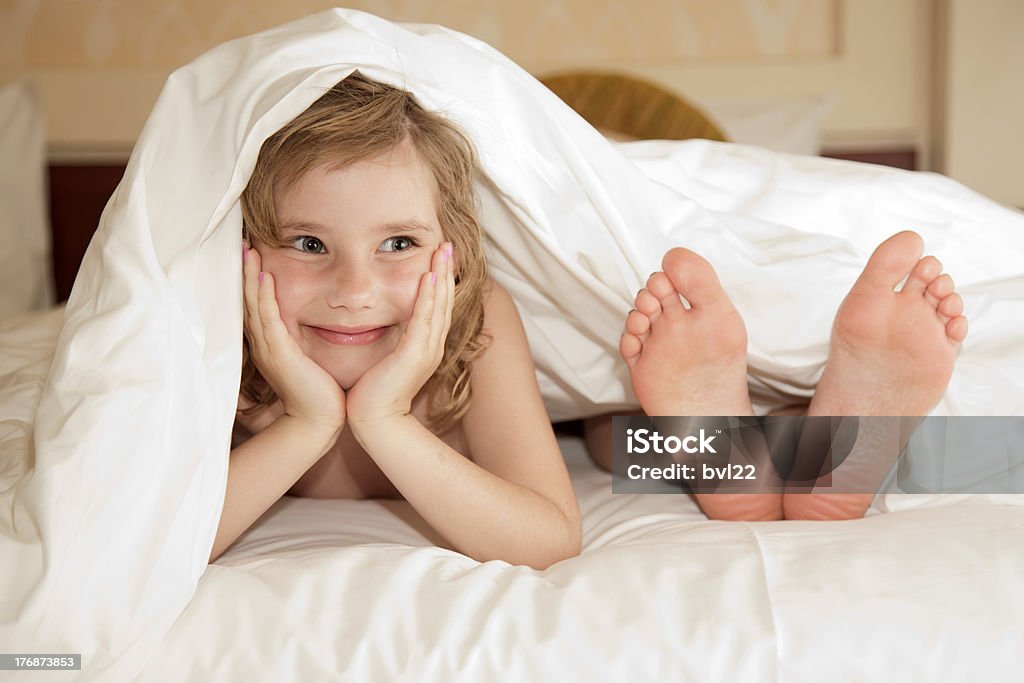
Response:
column 345, row 374
column 347, row 380
column 347, row 364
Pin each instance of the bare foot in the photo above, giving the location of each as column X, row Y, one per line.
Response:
column 693, row 362
column 891, row 353
column 686, row 361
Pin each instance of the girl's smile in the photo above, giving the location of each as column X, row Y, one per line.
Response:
column 357, row 239
column 354, row 336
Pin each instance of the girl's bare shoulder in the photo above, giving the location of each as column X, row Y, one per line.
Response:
column 507, row 351
column 507, row 427
column 499, row 307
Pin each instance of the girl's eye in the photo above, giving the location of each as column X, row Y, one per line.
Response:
column 394, row 244
column 308, row 245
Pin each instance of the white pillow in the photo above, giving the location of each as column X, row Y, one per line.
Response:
column 791, row 124
column 25, row 279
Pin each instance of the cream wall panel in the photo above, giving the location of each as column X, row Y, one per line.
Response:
column 984, row 143
column 880, row 81
column 171, row 32
column 101, row 63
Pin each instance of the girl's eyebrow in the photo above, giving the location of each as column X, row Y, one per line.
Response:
column 408, row 225
column 303, row 226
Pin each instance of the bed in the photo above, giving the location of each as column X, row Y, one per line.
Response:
column 923, row 588
column 357, row 590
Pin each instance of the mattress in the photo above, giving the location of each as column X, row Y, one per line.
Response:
column 922, row 588
column 357, row 590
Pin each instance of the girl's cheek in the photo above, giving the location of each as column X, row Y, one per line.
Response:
column 405, row 281
column 292, row 292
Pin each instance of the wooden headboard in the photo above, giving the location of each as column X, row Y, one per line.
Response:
column 78, row 193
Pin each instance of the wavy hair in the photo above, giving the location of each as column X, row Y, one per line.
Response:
column 360, row 119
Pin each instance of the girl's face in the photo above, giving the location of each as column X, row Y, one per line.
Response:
column 359, row 238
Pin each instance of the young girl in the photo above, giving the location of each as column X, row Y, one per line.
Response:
column 379, row 359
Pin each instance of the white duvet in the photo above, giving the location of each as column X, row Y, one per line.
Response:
column 115, row 452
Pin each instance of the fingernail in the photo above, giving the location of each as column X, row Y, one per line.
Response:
column 261, row 276
column 433, row 277
column 445, row 254
column 450, row 248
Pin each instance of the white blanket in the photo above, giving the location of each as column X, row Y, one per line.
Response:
column 112, row 500
column 355, row 590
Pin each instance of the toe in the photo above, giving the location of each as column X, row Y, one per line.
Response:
column 659, row 285
column 647, row 303
column 693, row 277
column 629, row 348
column 892, row 261
column 939, row 289
column 668, row 297
column 923, row 274
column 951, row 306
column 956, row 329
column 637, row 323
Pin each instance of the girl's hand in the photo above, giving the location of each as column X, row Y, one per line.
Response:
column 306, row 390
column 388, row 388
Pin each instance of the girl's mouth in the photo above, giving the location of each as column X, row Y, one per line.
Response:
column 353, row 337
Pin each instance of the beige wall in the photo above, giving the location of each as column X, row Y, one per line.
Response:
column 171, row 32
column 879, row 78
column 984, row 97
column 100, row 64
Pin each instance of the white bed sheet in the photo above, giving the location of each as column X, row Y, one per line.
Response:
column 321, row 589
column 358, row 590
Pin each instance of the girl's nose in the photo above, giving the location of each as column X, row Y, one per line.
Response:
column 352, row 287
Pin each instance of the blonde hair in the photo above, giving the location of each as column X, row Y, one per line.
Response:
column 359, row 119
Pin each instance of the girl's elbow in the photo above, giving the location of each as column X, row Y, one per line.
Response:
column 572, row 548
column 575, row 524
column 564, row 546
column 565, row 551
column 574, row 541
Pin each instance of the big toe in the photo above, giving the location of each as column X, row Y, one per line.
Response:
column 892, row 261
column 693, row 277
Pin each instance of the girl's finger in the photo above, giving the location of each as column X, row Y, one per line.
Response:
column 450, row 285
column 250, row 269
column 442, row 302
column 274, row 333
column 437, row 269
column 418, row 330
column 449, row 305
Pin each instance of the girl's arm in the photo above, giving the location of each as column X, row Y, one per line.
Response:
column 513, row 501
column 263, row 468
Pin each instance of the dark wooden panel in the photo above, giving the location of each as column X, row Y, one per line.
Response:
column 78, row 193
column 897, row 158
